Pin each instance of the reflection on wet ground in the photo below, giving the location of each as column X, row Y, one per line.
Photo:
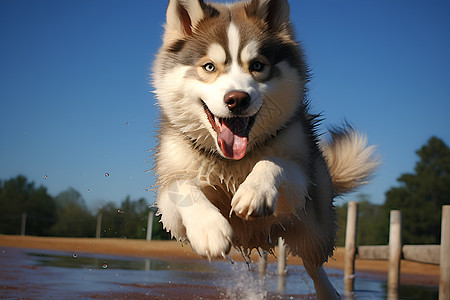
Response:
column 35, row 274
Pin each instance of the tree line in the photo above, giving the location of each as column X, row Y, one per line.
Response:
column 419, row 195
column 67, row 215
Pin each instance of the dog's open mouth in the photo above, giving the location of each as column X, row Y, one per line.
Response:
column 232, row 133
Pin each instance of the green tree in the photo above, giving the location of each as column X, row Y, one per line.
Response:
column 158, row 233
column 127, row 221
column 73, row 217
column 341, row 222
column 372, row 224
column 421, row 194
column 18, row 196
column 372, row 228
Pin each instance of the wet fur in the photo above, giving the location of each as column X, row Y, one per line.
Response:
column 282, row 187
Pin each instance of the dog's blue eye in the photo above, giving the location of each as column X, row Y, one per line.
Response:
column 257, row 66
column 209, row 67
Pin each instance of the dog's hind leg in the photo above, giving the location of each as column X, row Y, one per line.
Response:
column 323, row 286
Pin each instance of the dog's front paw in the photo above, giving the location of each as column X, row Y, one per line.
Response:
column 210, row 235
column 254, row 200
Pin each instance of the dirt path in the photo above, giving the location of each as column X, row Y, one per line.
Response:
column 411, row 272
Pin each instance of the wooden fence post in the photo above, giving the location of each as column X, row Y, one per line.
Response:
column 23, row 225
column 99, row 226
column 262, row 265
column 395, row 253
column 444, row 282
column 151, row 213
column 281, row 256
column 350, row 247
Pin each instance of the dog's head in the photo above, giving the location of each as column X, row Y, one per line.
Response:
column 229, row 76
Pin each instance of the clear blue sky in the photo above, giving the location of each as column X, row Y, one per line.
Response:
column 76, row 102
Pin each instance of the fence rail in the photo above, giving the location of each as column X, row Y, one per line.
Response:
column 394, row 252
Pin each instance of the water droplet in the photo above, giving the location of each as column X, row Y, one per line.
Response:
column 74, row 255
column 105, row 265
column 119, row 211
column 106, row 174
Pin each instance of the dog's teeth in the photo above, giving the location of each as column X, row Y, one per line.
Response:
column 218, row 121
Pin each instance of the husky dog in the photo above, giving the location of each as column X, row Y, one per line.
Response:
column 238, row 161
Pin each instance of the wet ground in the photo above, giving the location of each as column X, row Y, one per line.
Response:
column 42, row 274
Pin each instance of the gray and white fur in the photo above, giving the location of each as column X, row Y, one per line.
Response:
column 239, row 162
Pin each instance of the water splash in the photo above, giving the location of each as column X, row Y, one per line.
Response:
column 245, row 284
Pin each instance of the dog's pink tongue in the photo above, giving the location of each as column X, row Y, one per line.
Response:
column 233, row 137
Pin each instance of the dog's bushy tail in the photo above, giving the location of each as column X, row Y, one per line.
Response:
column 350, row 161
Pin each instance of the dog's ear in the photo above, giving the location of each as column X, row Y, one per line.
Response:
column 274, row 12
column 183, row 15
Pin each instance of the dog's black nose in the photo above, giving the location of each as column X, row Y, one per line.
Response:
column 237, row 101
